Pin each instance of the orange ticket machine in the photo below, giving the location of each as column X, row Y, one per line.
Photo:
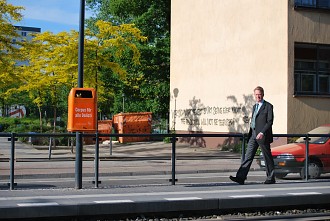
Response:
column 82, row 110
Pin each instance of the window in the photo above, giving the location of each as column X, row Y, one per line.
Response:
column 23, row 33
column 312, row 69
column 321, row 4
column 308, row 3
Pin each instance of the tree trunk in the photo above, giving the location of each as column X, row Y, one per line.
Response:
column 40, row 118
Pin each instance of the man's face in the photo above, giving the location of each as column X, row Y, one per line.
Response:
column 258, row 95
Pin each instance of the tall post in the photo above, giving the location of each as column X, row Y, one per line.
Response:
column 96, row 160
column 81, row 44
column 12, row 162
column 79, row 146
column 306, row 157
column 173, row 179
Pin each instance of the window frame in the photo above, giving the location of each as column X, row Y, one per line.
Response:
column 311, row 4
column 327, row 81
column 313, row 68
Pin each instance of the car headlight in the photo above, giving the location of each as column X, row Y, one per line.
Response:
column 286, row 156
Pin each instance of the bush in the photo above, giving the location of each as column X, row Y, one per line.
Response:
column 27, row 125
column 235, row 147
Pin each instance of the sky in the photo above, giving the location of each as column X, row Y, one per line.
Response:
column 50, row 15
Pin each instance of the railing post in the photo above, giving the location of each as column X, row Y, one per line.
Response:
column 243, row 148
column 50, row 148
column 173, row 179
column 96, row 160
column 306, row 157
column 110, row 145
column 70, row 140
column 12, row 161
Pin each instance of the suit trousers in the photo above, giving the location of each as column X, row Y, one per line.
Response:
column 249, row 156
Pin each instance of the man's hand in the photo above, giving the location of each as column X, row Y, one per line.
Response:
column 260, row 136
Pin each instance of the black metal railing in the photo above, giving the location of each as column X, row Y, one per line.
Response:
column 13, row 137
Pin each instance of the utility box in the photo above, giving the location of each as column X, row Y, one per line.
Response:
column 82, row 110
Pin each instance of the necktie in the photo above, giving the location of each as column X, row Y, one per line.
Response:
column 253, row 122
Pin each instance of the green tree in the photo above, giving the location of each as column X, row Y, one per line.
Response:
column 105, row 48
column 146, row 87
column 9, row 14
column 52, row 62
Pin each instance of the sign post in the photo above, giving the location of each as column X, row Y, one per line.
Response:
column 79, row 145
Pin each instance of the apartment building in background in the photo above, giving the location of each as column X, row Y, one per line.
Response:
column 222, row 50
column 25, row 34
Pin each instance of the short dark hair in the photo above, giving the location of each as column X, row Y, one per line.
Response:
column 259, row 89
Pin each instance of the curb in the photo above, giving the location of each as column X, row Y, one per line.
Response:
column 135, row 173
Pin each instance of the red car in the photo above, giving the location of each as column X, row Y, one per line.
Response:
column 290, row 158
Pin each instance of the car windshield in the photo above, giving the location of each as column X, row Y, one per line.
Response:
column 316, row 140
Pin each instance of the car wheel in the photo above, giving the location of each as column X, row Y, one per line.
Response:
column 314, row 171
column 280, row 175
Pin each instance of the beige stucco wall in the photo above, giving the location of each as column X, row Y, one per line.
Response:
column 307, row 26
column 220, row 51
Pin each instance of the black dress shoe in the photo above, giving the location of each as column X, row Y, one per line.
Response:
column 269, row 182
column 237, row 180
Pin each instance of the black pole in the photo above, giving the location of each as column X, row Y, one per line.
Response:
column 306, row 156
column 173, row 179
column 110, row 145
column 79, row 146
column 78, row 163
column 81, row 45
column 12, row 162
column 96, row 160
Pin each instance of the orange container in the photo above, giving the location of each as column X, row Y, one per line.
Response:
column 133, row 123
column 104, row 127
column 82, row 110
column 115, row 122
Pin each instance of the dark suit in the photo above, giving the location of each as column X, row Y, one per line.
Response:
column 263, row 123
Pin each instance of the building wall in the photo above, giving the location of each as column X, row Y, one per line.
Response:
column 220, row 51
column 306, row 26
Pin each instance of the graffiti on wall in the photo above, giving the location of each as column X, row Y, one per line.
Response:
column 230, row 116
column 210, row 116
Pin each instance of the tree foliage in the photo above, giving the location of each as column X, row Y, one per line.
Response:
column 52, row 62
column 9, row 14
column 146, row 87
column 119, row 61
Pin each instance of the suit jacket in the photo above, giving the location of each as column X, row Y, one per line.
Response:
column 264, row 122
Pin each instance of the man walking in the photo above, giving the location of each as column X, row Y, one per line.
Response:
column 260, row 134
